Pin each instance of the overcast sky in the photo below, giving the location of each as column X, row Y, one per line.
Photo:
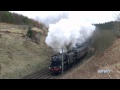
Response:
column 69, row 27
column 90, row 16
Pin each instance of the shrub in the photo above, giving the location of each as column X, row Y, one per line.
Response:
column 102, row 39
column 29, row 33
column 8, row 17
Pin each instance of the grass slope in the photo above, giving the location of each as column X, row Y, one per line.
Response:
column 18, row 55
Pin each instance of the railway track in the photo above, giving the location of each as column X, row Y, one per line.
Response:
column 45, row 74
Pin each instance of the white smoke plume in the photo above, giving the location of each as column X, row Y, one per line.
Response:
column 68, row 32
column 52, row 19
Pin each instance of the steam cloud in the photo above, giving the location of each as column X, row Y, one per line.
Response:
column 68, row 32
column 52, row 19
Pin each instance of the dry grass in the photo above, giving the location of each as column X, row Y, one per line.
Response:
column 109, row 60
column 38, row 30
column 18, row 55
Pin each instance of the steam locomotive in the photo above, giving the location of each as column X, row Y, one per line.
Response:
column 70, row 58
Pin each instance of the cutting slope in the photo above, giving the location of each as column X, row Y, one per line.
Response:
column 20, row 56
column 109, row 60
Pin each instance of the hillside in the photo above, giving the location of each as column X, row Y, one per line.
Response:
column 19, row 19
column 109, row 60
column 19, row 55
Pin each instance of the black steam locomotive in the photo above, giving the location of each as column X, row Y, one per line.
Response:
column 70, row 58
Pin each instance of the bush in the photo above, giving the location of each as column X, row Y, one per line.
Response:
column 29, row 33
column 102, row 39
column 8, row 17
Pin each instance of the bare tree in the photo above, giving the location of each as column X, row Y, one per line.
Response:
column 117, row 24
